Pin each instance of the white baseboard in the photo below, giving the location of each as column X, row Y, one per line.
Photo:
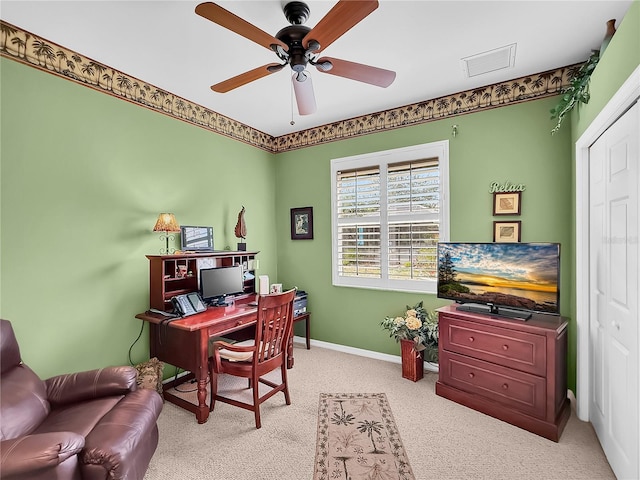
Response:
column 428, row 366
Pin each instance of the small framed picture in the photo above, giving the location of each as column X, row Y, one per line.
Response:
column 506, row 203
column 302, row 223
column 506, row 232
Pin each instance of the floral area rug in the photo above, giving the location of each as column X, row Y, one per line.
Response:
column 358, row 439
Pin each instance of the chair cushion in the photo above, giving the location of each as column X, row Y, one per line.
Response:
column 237, row 356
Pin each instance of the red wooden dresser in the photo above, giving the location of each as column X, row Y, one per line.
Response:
column 510, row 369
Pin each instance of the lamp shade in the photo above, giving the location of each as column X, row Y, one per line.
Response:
column 166, row 223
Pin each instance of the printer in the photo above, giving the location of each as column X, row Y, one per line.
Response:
column 300, row 303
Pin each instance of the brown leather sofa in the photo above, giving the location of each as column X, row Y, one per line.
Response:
column 89, row 425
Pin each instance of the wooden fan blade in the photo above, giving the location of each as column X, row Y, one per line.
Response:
column 357, row 71
column 244, row 78
column 341, row 18
column 305, row 98
column 228, row 20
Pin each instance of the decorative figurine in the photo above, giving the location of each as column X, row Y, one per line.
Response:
column 241, row 230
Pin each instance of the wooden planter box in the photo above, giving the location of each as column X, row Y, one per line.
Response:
column 412, row 361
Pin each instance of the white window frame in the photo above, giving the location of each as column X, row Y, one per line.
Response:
column 382, row 159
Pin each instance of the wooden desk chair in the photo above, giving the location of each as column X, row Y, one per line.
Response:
column 267, row 352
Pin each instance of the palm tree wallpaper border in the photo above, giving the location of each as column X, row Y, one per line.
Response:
column 29, row 49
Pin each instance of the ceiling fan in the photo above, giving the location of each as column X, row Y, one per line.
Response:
column 298, row 46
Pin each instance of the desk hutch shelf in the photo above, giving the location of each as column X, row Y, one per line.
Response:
column 171, row 275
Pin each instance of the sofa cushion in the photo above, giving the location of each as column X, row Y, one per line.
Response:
column 79, row 418
column 23, row 402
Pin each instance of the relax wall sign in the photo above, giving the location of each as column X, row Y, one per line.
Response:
column 506, row 187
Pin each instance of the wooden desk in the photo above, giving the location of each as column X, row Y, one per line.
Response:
column 184, row 342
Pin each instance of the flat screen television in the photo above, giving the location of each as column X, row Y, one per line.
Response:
column 217, row 283
column 196, row 239
column 508, row 279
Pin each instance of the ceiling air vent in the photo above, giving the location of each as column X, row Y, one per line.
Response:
column 497, row 59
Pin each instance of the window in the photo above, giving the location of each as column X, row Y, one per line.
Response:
column 389, row 211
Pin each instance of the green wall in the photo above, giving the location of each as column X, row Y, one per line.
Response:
column 84, row 176
column 506, row 144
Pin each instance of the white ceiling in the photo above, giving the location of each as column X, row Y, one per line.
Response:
column 166, row 44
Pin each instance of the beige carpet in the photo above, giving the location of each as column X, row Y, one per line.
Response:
column 442, row 440
column 358, row 439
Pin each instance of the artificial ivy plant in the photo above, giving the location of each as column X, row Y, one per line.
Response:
column 577, row 91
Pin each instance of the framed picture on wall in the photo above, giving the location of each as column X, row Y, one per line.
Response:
column 506, row 232
column 507, row 203
column 302, row 223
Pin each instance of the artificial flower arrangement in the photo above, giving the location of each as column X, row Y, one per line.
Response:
column 418, row 325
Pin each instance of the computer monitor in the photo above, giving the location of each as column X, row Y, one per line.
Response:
column 217, row 283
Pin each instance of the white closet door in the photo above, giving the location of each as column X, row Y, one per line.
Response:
column 614, row 290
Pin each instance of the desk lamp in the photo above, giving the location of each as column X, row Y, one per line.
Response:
column 166, row 223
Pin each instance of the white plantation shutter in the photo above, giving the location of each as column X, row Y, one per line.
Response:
column 358, row 209
column 389, row 210
column 413, row 214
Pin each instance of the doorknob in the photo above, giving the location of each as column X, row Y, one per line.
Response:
column 615, row 324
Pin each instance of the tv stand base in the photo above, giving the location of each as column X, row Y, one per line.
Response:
column 494, row 310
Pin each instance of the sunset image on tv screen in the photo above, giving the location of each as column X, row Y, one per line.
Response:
column 519, row 275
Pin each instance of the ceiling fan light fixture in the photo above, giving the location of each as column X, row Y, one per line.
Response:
column 305, row 97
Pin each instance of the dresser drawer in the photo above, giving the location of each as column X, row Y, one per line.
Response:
column 515, row 349
column 517, row 390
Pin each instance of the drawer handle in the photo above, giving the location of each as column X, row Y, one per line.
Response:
column 239, row 322
column 505, row 347
column 471, row 374
column 505, row 386
column 471, row 339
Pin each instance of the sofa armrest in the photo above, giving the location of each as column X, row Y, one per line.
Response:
column 82, row 386
column 118, row 435
column 23, row 455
